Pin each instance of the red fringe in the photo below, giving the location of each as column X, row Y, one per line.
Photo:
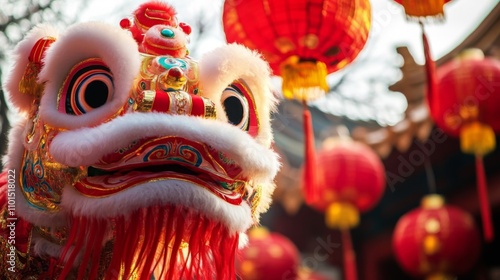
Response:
column 349, row 256
column 484, row 204
column 309, row 179
column 170, row 242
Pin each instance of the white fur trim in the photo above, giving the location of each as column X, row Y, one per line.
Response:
column 236, row 218
column 223, row 65
column 242, row 240
column 114, row 46
column 42, row 248
column 20, row 58
column 85, row 146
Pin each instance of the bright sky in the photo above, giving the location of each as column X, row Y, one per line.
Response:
column 461, row 18
column 388, row 21
column 389, row 30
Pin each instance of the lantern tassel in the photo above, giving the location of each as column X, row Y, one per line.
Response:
column 341, row 215
column 484, row 204
column 430, row 68
column 309, row 180
column 304, row 79
column 349, row 256
column 479, row 139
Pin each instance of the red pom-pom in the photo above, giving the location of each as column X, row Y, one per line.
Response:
column 125, row 23
column 153, row 13
column 175, row 72
column 155, row 43
column 185, row 27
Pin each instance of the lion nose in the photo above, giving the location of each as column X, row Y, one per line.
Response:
column 175, row 102
column 173, row 79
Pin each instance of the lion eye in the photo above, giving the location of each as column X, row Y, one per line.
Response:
column 236, row 107
column 88, row 86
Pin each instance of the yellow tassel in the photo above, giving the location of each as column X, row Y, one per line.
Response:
column 303, row 80
column 422, row 9
column 342, row 215
column 477, row 138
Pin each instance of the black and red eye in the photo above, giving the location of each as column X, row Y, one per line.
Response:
column 239, row 107
column 236, row 107
column 89, row 85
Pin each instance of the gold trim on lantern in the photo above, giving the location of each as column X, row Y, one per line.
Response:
column 431, row 244
column 432, row 226
column 471, row 54
column 423, row 9
column 310, row 41
column 432, row 201
column 284, row 45
column 468, row 112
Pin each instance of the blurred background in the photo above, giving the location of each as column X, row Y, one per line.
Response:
column 377, row 100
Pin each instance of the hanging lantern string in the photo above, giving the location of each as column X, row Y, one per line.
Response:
column 430, row 69
column 431, row 179
column 430, row 73
column 349, row 255
column 309, row 180
column 484, row 204
column 474, row 130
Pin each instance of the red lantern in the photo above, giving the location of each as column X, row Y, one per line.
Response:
column 436, row 241
column 352, row 177
column 466, row 105
column 302, row 40
column 468, row 91
column 350, row 180
column 268, row 256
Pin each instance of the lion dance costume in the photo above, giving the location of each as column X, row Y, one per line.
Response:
column 131, row 159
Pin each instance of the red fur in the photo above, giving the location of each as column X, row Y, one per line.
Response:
column 154, row 13
column 158, row 13
column 153, row 240
column 156, row 5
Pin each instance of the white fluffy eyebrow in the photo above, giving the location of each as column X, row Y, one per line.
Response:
column 85, row 146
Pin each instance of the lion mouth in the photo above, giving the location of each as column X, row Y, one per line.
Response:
column 165, row 159
column 94, row 172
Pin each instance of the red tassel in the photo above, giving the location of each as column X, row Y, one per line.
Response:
column 430, row 67
column 349, row 256
column 71, row 250
column 309, row 179
column 484, row 204
column 167, row 241
column 92, row 253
